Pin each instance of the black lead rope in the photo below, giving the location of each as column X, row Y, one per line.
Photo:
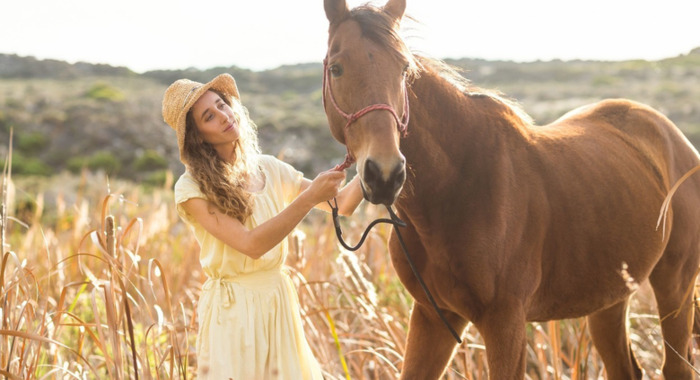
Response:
column 396, row 222
column 339, row 232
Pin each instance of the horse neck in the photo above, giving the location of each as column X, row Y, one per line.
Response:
column 455, row 134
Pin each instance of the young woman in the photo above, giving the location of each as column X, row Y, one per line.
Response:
column 241, row 205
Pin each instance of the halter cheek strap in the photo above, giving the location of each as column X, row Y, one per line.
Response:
column 401, row 124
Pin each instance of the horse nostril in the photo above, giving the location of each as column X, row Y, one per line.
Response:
column 398, row 176
column 372, row 173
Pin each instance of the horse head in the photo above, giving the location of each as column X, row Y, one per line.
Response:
column 366, row 72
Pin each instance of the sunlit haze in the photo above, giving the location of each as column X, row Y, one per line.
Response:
column 176, row 34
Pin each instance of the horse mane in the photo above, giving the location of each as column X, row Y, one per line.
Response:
column 379, row 27
column 451, row 74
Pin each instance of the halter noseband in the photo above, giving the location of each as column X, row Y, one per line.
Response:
column 401, row 124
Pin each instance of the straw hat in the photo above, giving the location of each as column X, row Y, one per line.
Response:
column 181, row 96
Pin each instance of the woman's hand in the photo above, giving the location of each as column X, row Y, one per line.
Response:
column 325, row 186
column 348, row 197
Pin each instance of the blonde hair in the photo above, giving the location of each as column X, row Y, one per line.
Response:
column 221, row 182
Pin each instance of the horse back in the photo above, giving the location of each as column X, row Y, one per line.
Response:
column 644, row 130
column 605, row 170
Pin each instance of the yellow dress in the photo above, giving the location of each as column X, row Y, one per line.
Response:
column 249, row 318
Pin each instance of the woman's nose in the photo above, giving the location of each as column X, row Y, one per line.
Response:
column 223, row 117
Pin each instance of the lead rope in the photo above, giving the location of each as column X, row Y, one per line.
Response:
column 396, row 222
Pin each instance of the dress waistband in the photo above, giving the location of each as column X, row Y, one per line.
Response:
column 256, row 279
column 231, row 291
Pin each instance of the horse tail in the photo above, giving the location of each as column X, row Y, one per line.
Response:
column 663, row 214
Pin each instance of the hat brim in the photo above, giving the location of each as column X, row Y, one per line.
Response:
column 223, row 83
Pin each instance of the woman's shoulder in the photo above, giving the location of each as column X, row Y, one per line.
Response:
column 267, row 160
column 185, row 179
column 282, row 176
column 274, row 164
column 186, row 187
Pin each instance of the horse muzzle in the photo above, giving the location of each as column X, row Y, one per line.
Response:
column 382, row 186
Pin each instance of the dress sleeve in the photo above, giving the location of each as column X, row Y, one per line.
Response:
column 186, row 188
column 290, row 179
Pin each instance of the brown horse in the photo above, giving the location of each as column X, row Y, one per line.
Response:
column 509, row 222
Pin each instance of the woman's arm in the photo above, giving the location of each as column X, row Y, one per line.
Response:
column 348, row 198
column 256, row 242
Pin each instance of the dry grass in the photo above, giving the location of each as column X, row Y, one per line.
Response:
column 101, row 282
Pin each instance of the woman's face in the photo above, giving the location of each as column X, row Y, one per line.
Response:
column 216, row 121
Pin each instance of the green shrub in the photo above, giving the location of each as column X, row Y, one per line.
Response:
column 156, row 179
column 13, row 103
column 34, row 166
column 99, row 161
column 103, row 91
column 604, row 80
column 22, row 165
column 4, row 122
column 54, row 117
column 150, row 160
column 30, row 143
column 76, row 164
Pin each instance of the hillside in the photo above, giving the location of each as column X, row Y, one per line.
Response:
column 66, row 116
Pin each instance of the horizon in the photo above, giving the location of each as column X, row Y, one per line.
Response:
column 320, row 62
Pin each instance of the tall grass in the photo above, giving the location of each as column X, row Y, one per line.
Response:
column 100, row 280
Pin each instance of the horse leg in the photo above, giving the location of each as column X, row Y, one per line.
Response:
column 504, row 336
column 671, row 280
column 609, row 330
column 696, row 325
column 429, row 345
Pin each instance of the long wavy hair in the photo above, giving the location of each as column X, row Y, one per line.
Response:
column 221, row 182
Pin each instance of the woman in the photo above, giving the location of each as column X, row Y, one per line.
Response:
column 241, row 206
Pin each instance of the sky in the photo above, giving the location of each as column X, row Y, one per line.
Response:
column 263, row 34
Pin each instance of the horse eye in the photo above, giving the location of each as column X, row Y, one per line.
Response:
column 405, row 70
column 336, row 70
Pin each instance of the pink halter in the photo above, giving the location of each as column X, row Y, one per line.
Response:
column 401, row 124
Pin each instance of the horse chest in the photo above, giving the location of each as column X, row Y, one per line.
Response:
column 446, row 268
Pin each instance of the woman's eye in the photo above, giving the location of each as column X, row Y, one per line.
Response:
column 336, row 70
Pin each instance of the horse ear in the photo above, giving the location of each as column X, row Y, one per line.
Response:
column 335, row 9
column 395, row 8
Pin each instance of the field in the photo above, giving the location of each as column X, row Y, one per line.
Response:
column 100, row 280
